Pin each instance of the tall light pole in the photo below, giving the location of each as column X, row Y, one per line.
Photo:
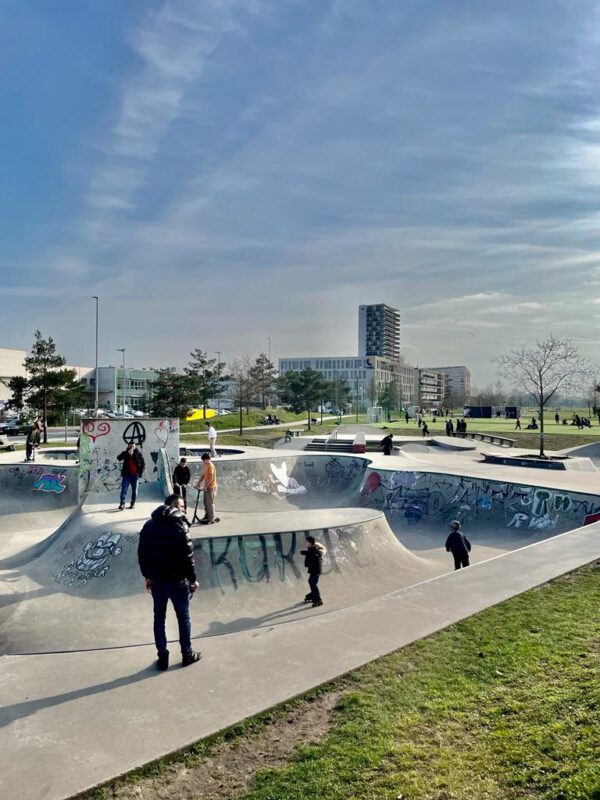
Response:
column 218, row 352
column 96, row 372
column 122, row 350
column 269, row 338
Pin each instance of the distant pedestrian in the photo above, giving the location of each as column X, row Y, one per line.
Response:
column 181, row 479
column 313, row 561
column 212, row 439
column 166, row 559
column 406, row 417
column 131, row 472
column 208, row 485
column 387, row 444
column 458, row 544
column 32, row 442
column 557, row 418
column 425, row 429
column 518, row 424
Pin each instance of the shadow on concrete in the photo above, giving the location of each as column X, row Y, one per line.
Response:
column 10, row 714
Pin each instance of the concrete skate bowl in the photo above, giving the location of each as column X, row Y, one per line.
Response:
column 383, row 529
column 35, row 499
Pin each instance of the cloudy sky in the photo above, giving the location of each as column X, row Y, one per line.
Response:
column 222, row 171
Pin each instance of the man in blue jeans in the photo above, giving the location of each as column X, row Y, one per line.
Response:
column 166, row 559
column 131, row 472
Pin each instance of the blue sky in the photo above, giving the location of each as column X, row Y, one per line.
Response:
column 221, row 171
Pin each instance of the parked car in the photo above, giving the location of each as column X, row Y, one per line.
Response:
column 12, row 427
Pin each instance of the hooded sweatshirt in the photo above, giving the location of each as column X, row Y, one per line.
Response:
column 165, row 550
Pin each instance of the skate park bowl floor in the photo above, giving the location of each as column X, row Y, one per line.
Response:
column 76, row 623
column 383, row 530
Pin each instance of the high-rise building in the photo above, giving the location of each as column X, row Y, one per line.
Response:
column 379, row 331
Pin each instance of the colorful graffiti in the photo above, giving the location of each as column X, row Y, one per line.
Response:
column 420, row 496
column 50, row 482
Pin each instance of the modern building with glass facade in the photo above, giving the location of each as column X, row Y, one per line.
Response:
column 379, row 331
column 136, row 392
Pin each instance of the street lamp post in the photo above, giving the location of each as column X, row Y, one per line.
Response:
column 122, row 350
column 96, row 371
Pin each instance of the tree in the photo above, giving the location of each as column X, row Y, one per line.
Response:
column 206, row 380
column 542, row 371
column 18, row 388
column 339, row 394
column 263, row 375
column 172, row 394
column 301, row 391
column 46, row 381
column 242, row 385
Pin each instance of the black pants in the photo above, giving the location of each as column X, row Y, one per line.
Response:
column 181, row 490
column 461, row 560
column 313, row 581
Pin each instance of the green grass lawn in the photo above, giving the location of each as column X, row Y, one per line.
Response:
column 502, row 706
column 255, row 417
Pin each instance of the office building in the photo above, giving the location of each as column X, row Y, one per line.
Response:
column 459, row 383
column 379, row 331
column 135, row 391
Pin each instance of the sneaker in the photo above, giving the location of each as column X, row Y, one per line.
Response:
column 163, row 663
column 122, row 506
column 132, row 505
column 317, row 603
column 190, row 658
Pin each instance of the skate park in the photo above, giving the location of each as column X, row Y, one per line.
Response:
column 80, row 695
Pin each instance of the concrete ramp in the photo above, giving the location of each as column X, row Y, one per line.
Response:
column 85, row 591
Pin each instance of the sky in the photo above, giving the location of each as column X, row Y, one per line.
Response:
column 220, row 172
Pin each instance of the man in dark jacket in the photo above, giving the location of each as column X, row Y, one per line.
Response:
column 166, row 558
column 313, row 561
column 131, row 472
column 458, row 544
column 181, row 479
column 387, row 443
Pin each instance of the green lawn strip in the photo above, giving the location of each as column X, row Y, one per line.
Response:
column 255, row 417
column 503, row 705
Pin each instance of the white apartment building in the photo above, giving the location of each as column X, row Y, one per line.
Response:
column 459, row 381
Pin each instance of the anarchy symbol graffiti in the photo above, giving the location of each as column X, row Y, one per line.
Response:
column 135, row 433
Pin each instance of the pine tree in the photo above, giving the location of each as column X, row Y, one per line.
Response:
column 263, row 374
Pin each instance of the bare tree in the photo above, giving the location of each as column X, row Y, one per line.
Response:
column 552, row 365
column 240, row 375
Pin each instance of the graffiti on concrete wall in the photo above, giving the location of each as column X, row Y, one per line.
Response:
column 102, row 441
column 436, row 497
column 95, row 559
column 229, row 562
column 40, row 478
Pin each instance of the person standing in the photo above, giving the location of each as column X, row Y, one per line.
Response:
column 518, row 424
column 556, row 418
column 32, row 442
column 181, row 479
column 406, row 417
column 208, row 485
column 425, row 429
column 131, row 472
column 166, row 559
column 387, row 444
column 313, row 561
column 212, row 439
column 458, row 544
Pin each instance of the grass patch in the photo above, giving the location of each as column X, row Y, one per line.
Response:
column 255, row 417
column 502, row 706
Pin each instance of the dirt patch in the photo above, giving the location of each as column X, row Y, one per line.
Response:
column 226, row 771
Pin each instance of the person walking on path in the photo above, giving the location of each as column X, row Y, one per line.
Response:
column 425, row 429
column 458, row 544
column 181, row 479
column 32, row 442
column 518, row 424
column 166, row 559
column 131, row 472
column 387, row 444
column 212, row 439
column 208, row 485
column 313, row 561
